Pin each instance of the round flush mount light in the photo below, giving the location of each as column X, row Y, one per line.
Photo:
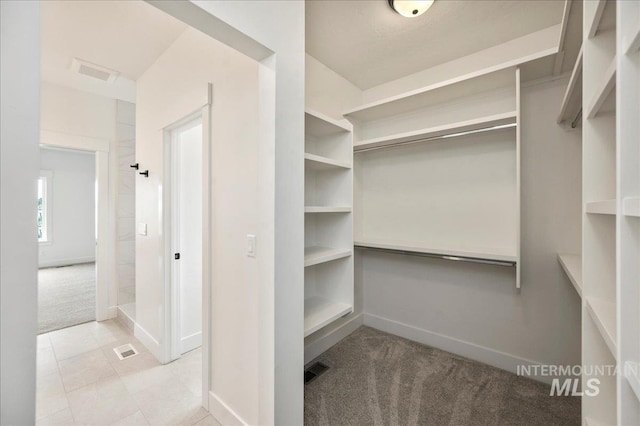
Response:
column 410, row 8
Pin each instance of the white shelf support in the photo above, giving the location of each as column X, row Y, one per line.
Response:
column 631, row 206
column 601, row 207
column 572, row 101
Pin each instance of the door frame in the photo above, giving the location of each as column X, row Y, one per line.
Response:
column 170, row 341
column 106, row 290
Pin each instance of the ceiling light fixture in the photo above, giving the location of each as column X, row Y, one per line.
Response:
column 410, row 8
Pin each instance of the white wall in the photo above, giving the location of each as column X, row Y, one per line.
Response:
column 273, row 32
column 19, row 166
column 125, row 201
column 173, row 88
column 475, row 310
column 72, row 200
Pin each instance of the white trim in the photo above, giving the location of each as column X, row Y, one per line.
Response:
column 192, row 341
column 223, row 413
column 66, row 262
column 492, row 357
column 325, row 342
column 65, row 140
column 149, row 342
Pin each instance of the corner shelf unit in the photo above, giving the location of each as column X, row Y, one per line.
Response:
column 328, row 257
column 401, row 181
column 611, row 194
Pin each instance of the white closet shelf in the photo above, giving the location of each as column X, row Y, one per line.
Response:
column 327, row 209
column 631, row 206
column 632, row 375
column 320, row 125
column 315, row 255
column 590, row 421
column 501, row 255
column 597, row 17
column 436, row 93
column 572, row 265
column 317, row 162
column 601, row 207
column 603, row 90
column 572, row 101
column 631, row 40
column 603, row 314
column 319, row 312
column 445, row 130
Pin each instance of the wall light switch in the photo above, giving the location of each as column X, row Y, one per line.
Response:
column 142, row 228
column 251, row 245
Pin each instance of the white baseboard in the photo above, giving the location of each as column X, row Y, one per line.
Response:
column 191, row 342
column 223, row 413
column 65, row 262
column 330, row 338
column 148, row 341
column 469, row 350
column 110, row 312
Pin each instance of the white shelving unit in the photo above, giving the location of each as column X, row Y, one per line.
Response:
column 328, row 257
column 628, row 201
column 611, row 190
column 572, row 266
column 411, row 148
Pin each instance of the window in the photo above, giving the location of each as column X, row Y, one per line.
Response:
column 44, row 207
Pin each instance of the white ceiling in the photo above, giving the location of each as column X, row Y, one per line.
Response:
column 369, row 44
column 126, row 36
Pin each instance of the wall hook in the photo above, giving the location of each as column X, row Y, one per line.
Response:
column 145, row 173
column 134, row 166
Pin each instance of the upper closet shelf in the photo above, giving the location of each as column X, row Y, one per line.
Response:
column 319, row 125
column 317, row 162
column 501, row 256
column 437, row 93
column 572, row 101
column 572, row 265
column 603, row 90
column 631, row 40
column 631, row 206
column 447, row 130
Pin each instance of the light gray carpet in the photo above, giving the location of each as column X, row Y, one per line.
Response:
column 380, row 379
column 66, row 296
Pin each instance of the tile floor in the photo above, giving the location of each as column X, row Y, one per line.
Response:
column 81, row 381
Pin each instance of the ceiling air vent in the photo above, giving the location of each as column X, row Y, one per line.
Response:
column 92, row 70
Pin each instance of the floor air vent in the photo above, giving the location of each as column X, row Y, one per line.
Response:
column 125, row 351
column 316, row 369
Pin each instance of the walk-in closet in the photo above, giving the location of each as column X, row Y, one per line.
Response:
column 475, row 221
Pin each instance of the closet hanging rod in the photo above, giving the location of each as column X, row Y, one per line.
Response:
column 440, row 256
column 450, row 135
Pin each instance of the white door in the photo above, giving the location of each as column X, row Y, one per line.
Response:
column 186, row 206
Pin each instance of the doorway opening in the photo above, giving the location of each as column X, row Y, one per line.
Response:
column 67, row 233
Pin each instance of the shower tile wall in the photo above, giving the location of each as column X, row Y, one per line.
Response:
column 125, row 248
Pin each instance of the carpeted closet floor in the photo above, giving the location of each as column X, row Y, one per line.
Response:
column 377, row 378
column 66, row 296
